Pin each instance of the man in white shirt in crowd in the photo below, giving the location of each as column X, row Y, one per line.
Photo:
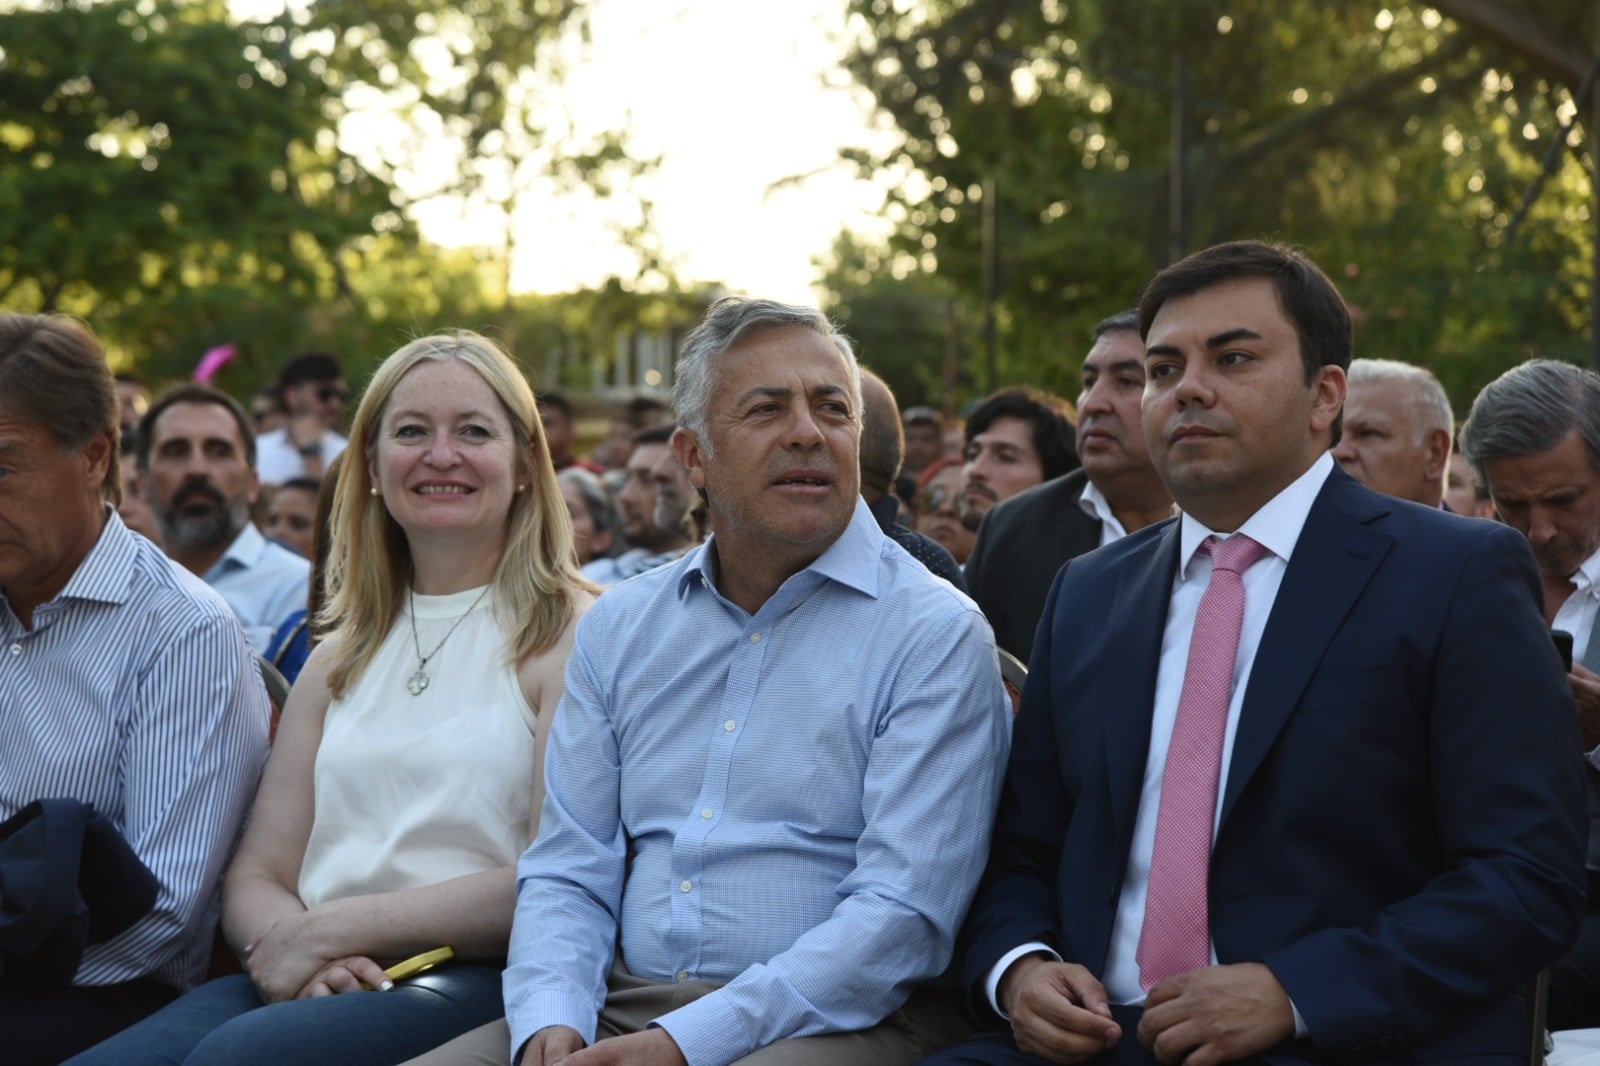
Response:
column 312, row 388
column 1533, row 439
column 195, row 449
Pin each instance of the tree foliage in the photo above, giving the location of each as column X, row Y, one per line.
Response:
column 158, row 155
column 182, row 178
column 1393, row 144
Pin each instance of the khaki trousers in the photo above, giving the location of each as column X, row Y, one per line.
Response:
column 929, row 1021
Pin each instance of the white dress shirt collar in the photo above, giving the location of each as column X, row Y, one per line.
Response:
column 1276, row 526
column 1576, row 615
column 1097, row 507
column 1586, row 579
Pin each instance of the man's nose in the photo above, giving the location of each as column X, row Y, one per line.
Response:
column 803, row 428
column 1095, row 399
column 1541, row 530
column 1194, row 386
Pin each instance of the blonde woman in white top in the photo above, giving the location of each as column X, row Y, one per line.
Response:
column 407, row 773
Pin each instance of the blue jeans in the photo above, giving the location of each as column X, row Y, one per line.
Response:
column 224, row 1023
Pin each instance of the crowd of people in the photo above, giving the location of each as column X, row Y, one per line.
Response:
column 695, row 750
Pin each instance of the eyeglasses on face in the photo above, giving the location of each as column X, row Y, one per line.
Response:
column 935, row 499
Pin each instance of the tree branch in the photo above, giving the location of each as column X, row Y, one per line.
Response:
column 1524, row 34
column 1379, row 90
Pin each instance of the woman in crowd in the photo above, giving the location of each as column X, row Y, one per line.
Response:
column 406, row 777
column 939, row 508
column 596, row 526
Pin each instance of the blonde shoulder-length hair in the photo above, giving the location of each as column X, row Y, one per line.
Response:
column 369, row 564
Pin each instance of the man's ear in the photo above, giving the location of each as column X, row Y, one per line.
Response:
column 1328, row 389
column 692, row 454
column 99, row 452
column 1438, row 442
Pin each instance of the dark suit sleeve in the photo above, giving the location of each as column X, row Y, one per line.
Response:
column 1504, row 779
column 997, row 574
column 979, row 579
column 1016, row 900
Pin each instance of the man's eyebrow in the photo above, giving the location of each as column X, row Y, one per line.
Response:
column 771, row 392
column 1217, row 340
column 1228, row 336
column 828, row 389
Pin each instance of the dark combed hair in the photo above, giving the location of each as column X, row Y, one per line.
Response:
column 661, row 434
column 639, row 410
column 1055, row 437
column 1308, row 297
column 1122, row 320
column 54, row 372
column 193, row 393
column 309, row 366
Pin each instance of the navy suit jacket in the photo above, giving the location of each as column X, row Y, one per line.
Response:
column 1021, row 544
column 1402, row 828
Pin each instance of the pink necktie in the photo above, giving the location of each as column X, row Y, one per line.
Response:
column 1176, row 936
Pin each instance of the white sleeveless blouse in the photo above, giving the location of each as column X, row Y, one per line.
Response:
column 413, row 790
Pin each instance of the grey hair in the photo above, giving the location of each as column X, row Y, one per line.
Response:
column 600, row 504
column 1428, row 398
column 1529, row 409
column 727, row 322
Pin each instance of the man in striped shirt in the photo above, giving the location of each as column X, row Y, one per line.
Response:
column 125, row 683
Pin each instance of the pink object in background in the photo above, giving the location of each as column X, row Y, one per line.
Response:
column 213, row 361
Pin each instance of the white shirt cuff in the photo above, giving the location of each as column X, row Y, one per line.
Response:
column 991, row 986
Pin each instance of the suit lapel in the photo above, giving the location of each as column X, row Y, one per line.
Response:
column 1138, row 617
column 1080, row 534
column 1335, row 557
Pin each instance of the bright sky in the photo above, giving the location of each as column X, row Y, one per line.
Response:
column 731, row 94
column 734, row 97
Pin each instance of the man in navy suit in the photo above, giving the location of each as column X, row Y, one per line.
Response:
column 1390, row 839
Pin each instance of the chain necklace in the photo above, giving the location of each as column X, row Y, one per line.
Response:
column 418, row 681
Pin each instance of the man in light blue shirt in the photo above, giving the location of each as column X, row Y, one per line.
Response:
column 196, row 450
column 772, row 777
